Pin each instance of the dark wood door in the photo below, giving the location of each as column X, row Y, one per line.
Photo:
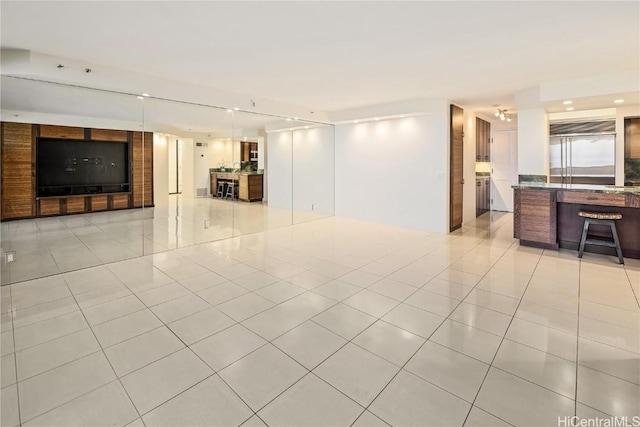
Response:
column 456, row 182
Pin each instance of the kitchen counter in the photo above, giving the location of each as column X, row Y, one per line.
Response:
column 249, row 184
column 546, row 215
column 607, row 189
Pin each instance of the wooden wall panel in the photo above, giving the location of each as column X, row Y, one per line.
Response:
column 587, row 198
column 99, row 203
column 138, row 163
column 109, row 135
column 120, row 201
column 75, row 204
column 17, row 170
column 49, row 207
column 67, row 132
column 456, row 183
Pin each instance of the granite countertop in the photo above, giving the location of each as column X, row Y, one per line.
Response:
column 611, row 189
column 231, row 171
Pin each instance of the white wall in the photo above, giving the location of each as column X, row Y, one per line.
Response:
column 279, row 170
column 394, row 171
column 533, row 142
column 188, row 168
column 160, row 169
column 313, row 170
column 202, row 161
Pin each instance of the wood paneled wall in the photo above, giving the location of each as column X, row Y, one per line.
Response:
column 18, row 145
column 18, row 191
column 142, row 163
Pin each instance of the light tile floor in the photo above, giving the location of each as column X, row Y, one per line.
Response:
column 331, row 322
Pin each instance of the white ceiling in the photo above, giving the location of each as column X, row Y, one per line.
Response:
column 339, row 55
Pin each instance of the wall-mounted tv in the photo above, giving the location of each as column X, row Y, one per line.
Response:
column 68, row 167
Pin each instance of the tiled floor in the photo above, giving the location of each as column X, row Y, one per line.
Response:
column 48, row 246
column 331, row 322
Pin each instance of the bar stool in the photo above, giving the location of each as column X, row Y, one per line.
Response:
column 600, row 218
column 221, row 189
column 230, row 191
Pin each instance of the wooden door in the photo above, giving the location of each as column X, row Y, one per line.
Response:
column 456, row 182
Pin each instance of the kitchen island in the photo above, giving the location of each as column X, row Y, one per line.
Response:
column 546, row 215
column 249, row 184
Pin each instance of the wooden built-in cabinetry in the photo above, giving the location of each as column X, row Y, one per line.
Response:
column 483, row 140
column 18, row 145
column 249, row 184
column 483, row 195
column 632, row 137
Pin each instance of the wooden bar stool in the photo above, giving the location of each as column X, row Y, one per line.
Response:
column 231, row 191
column 600, row 218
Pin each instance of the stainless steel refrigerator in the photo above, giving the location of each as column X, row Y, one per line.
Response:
column 583, row 158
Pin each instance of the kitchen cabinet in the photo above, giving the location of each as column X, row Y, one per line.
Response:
column 249, row 184
column 483, row 140
column 249, row 152
column 483, row 195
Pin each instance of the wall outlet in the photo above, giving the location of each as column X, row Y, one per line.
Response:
column 10, row 256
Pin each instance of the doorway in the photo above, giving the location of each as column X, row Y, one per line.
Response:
column 175, row 166
column 505, row 169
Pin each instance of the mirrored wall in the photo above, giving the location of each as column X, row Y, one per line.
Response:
column 92, row 177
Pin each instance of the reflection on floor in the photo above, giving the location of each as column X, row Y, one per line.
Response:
column 331, row 322
column 59, row 244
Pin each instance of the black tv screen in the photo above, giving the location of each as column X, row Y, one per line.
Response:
column 66, row 167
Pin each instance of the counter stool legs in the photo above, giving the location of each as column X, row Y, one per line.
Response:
column 220, row 191
column 584, row 239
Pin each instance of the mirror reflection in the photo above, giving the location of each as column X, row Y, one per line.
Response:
column 186, row 174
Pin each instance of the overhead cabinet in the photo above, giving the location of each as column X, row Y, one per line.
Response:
column 483, row 140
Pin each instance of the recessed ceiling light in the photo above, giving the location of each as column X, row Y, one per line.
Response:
column 295, row 118
column 306, row 127
column 145, row 94
column 229, row 110
column 288, row 119
column 377, row 119
column 402, row 116
column 139, row 97
column 618, row 101
column 568, row 102
column 236, row 108
column 570, row 109
column 355, row 121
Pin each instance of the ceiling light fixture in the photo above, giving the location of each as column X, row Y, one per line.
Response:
column 236, row 108
column 229, row 110
column 618, row 101
column 570, row 109
column 145, row 94
column 502, row 114
column 568, row 102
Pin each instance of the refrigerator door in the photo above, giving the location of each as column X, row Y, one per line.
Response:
column 557, row 159
column 592, row 159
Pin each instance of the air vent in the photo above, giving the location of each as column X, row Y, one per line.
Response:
column 202, row 144
column 201, row 192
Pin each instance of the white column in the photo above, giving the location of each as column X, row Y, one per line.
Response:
column 533, row 142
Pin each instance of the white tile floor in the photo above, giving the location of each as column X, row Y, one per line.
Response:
column 331, row 322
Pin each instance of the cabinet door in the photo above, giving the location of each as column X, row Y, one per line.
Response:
column 487, row 194
column 632, row 138
column 487, row 141
column 535, row 216
column 478, row 139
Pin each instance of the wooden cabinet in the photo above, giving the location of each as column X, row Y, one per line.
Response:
column 483, row 195
column 483, row 140
column 249, row 151
column 632, row 138
column 61, row 132
column 18, row 190
column 534, row 217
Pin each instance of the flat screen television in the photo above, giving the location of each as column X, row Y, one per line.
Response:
column 69, row 167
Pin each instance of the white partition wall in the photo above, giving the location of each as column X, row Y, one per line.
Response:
column 313, row 173
column 279, row 170
column 394, row 171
